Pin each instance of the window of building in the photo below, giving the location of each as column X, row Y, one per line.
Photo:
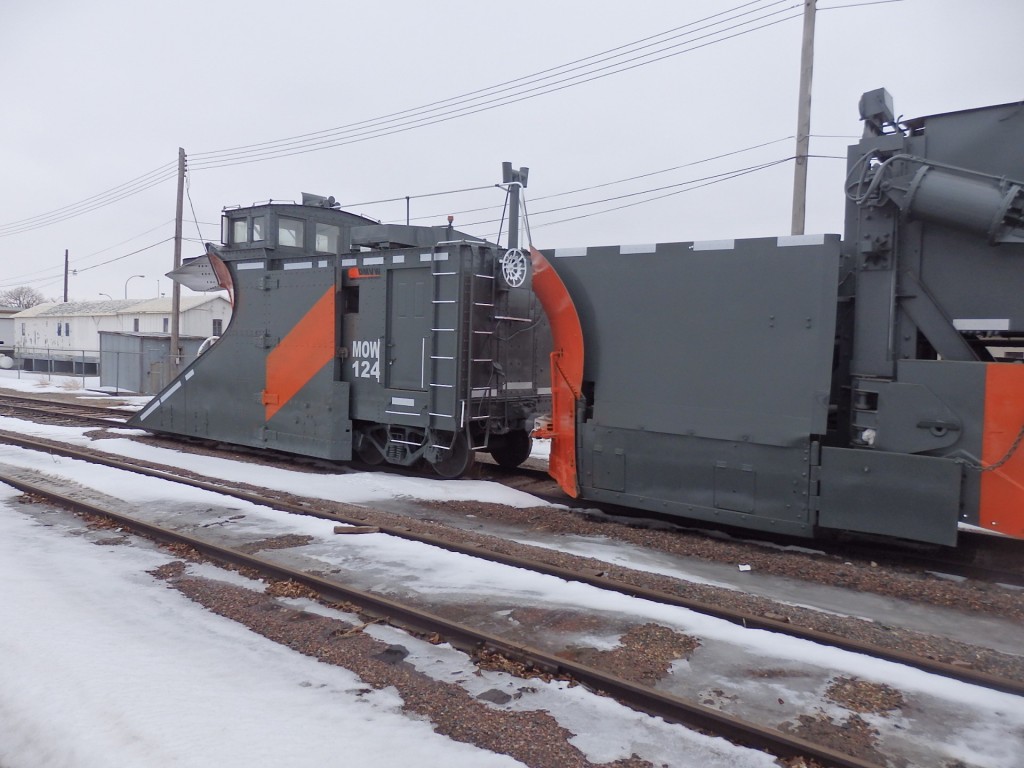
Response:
column 67, row 329
column 167, row 324
column 239, row 231
column 58, row 329
column 290, row 232
column 327, row 238
column 135, row 324
column 258, row 228
column 22, row 329
column 218, row 325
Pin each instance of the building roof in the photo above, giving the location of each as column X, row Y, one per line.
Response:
column 115, row 307
column 163, row 304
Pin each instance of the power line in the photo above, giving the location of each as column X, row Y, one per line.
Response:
column 475, row 95
column 20, row 279
column 724, row 174
column 555, row 86
column 856, row 5
column 53, row 280
column 95, row 202
column 611, row 183
column 543, row 83
column 733, row 175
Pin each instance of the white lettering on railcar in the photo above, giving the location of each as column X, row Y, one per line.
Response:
column 365, row 359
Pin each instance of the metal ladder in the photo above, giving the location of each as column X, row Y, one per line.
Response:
column 481, row 345
column 442, row 365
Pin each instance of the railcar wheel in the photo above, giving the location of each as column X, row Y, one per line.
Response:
column 369, row 453
column 457, row 460
column 511, row 449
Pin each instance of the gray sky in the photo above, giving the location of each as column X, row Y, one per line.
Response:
column 98, row 95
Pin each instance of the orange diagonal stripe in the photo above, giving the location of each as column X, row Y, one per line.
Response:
column 307, row 348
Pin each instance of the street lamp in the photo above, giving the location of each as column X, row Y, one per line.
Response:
column 128, row 281
column 107, row 295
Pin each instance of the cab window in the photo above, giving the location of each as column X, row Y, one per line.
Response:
column 327, row 238
column 290, row 232
column 258, row 228
column 239, row 231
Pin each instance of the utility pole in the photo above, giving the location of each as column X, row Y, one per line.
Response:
column 803, row 120
column 175, row 287
column 65, row 275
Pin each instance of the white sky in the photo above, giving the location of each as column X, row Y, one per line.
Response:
column 104, row 666
column 99, row 94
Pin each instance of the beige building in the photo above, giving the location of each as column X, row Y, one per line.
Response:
column 65, row 337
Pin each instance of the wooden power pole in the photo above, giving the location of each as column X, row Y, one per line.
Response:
column 803, row 120
column 65, row 275
column 175, row 287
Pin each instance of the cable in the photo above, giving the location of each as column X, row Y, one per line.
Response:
column 18, row 280
column 78, row 209
column 724, row 174
column 109, row 261
column 301, row 144
column 612, row 183
column 737, row 174
column 857, row 5
column 530, row 93
column 246, row 153
column 417, row 197
column 188, row 191
column 469, row 96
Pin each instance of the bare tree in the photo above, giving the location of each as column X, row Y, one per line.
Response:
column 22, row 297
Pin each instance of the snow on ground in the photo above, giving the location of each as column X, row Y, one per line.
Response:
column 103, row 666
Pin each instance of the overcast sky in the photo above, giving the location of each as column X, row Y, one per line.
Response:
column 99, row 96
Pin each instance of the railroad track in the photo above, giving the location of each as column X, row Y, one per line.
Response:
column 465, row 637
column 52, row 411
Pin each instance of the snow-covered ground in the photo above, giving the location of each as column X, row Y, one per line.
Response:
column 101, row 665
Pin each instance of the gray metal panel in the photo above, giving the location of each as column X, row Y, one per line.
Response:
column 219, row 396
column 890, row 494
column 408, row 327
column 735, row 483
column 731, row 341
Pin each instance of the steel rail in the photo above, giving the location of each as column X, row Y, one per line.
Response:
column 742, row 618
column 88, row 413
column 671, row 708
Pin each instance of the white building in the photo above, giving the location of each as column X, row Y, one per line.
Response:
column 65, row 337
column 7, row 329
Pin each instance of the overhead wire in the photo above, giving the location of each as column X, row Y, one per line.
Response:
column 855, row 5
column 448, row 109
column 19, row 279
column 689, row 182
column 480, row 93
column 606, row 183
column 51, row 281
column 530, row 93
column 101, row 200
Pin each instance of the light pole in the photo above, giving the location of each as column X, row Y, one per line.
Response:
column 107, row 295
column 128, row 281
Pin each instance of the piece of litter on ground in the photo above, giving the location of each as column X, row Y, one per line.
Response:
column 744, row 567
